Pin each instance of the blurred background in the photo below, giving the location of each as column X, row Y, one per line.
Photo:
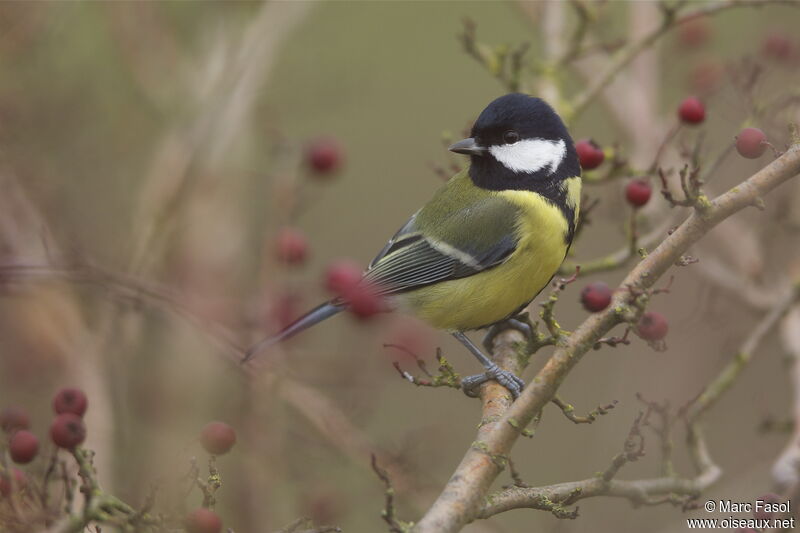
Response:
column 150, row 154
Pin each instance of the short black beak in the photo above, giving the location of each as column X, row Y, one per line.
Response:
column 468, row 147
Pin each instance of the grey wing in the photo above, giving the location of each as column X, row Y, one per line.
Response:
column 410, row 260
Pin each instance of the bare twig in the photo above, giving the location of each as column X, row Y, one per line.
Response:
column 671, row 17
column 727, row 376
column 446, row 376
column 786, row 469
column 569, row 411
column 388, row 513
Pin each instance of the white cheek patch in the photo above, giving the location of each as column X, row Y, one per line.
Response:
column 530, row 155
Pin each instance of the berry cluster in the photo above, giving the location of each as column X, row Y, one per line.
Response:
column 67, row 432
column 67, row 429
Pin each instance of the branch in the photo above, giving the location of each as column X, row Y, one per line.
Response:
column 575, row 43
column 628, row 53
column 754, row 295
column 389, row 513
column 462, row 498
column 786, row 469
column 569, row 411
column 619, row 258
column 640, row 492
column 728, row 375
column 666, row 489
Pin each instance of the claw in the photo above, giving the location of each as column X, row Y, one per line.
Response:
column 471, row 384
column 520, row 324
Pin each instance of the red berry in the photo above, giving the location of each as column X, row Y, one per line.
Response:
column 324, row 156
column 13, row 418
column 596, row 296
column 777, row 46
column 203, row 521
column 292, row 246
column 589, row 153
column 217, row 438
column 751, row 143
column 67, row 430
column 364, row 301
column 765, row 512
column 638, row 192
column 23, row 446
column 70, row 400
column 342, row 276
column 652, row 326
column 20, row 481
column 694, row 32
column 692, row 111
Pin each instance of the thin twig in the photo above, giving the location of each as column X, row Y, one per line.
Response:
column 569, row 411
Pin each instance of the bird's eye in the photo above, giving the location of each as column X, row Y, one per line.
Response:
column 510, row 137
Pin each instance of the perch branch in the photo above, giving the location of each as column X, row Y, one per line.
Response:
column 463, row 497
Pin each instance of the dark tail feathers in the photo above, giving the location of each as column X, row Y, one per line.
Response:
column 315, row 316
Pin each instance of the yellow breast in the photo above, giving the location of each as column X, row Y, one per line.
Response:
column 492, row 295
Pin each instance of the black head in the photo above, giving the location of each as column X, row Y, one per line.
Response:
column 519, row 142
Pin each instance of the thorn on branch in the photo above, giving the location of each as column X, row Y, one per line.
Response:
column 569, row 411
column 640, row 296
column 613, row 341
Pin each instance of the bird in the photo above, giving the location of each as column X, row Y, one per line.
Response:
column 488, row 241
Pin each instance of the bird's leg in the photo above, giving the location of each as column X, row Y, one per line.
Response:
column 519, row 322
column 470, row 384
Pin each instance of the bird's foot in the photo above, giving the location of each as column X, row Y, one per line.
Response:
column 520, row 323
column 471, row 384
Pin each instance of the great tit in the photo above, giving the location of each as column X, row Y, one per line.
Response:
column 489, row 240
